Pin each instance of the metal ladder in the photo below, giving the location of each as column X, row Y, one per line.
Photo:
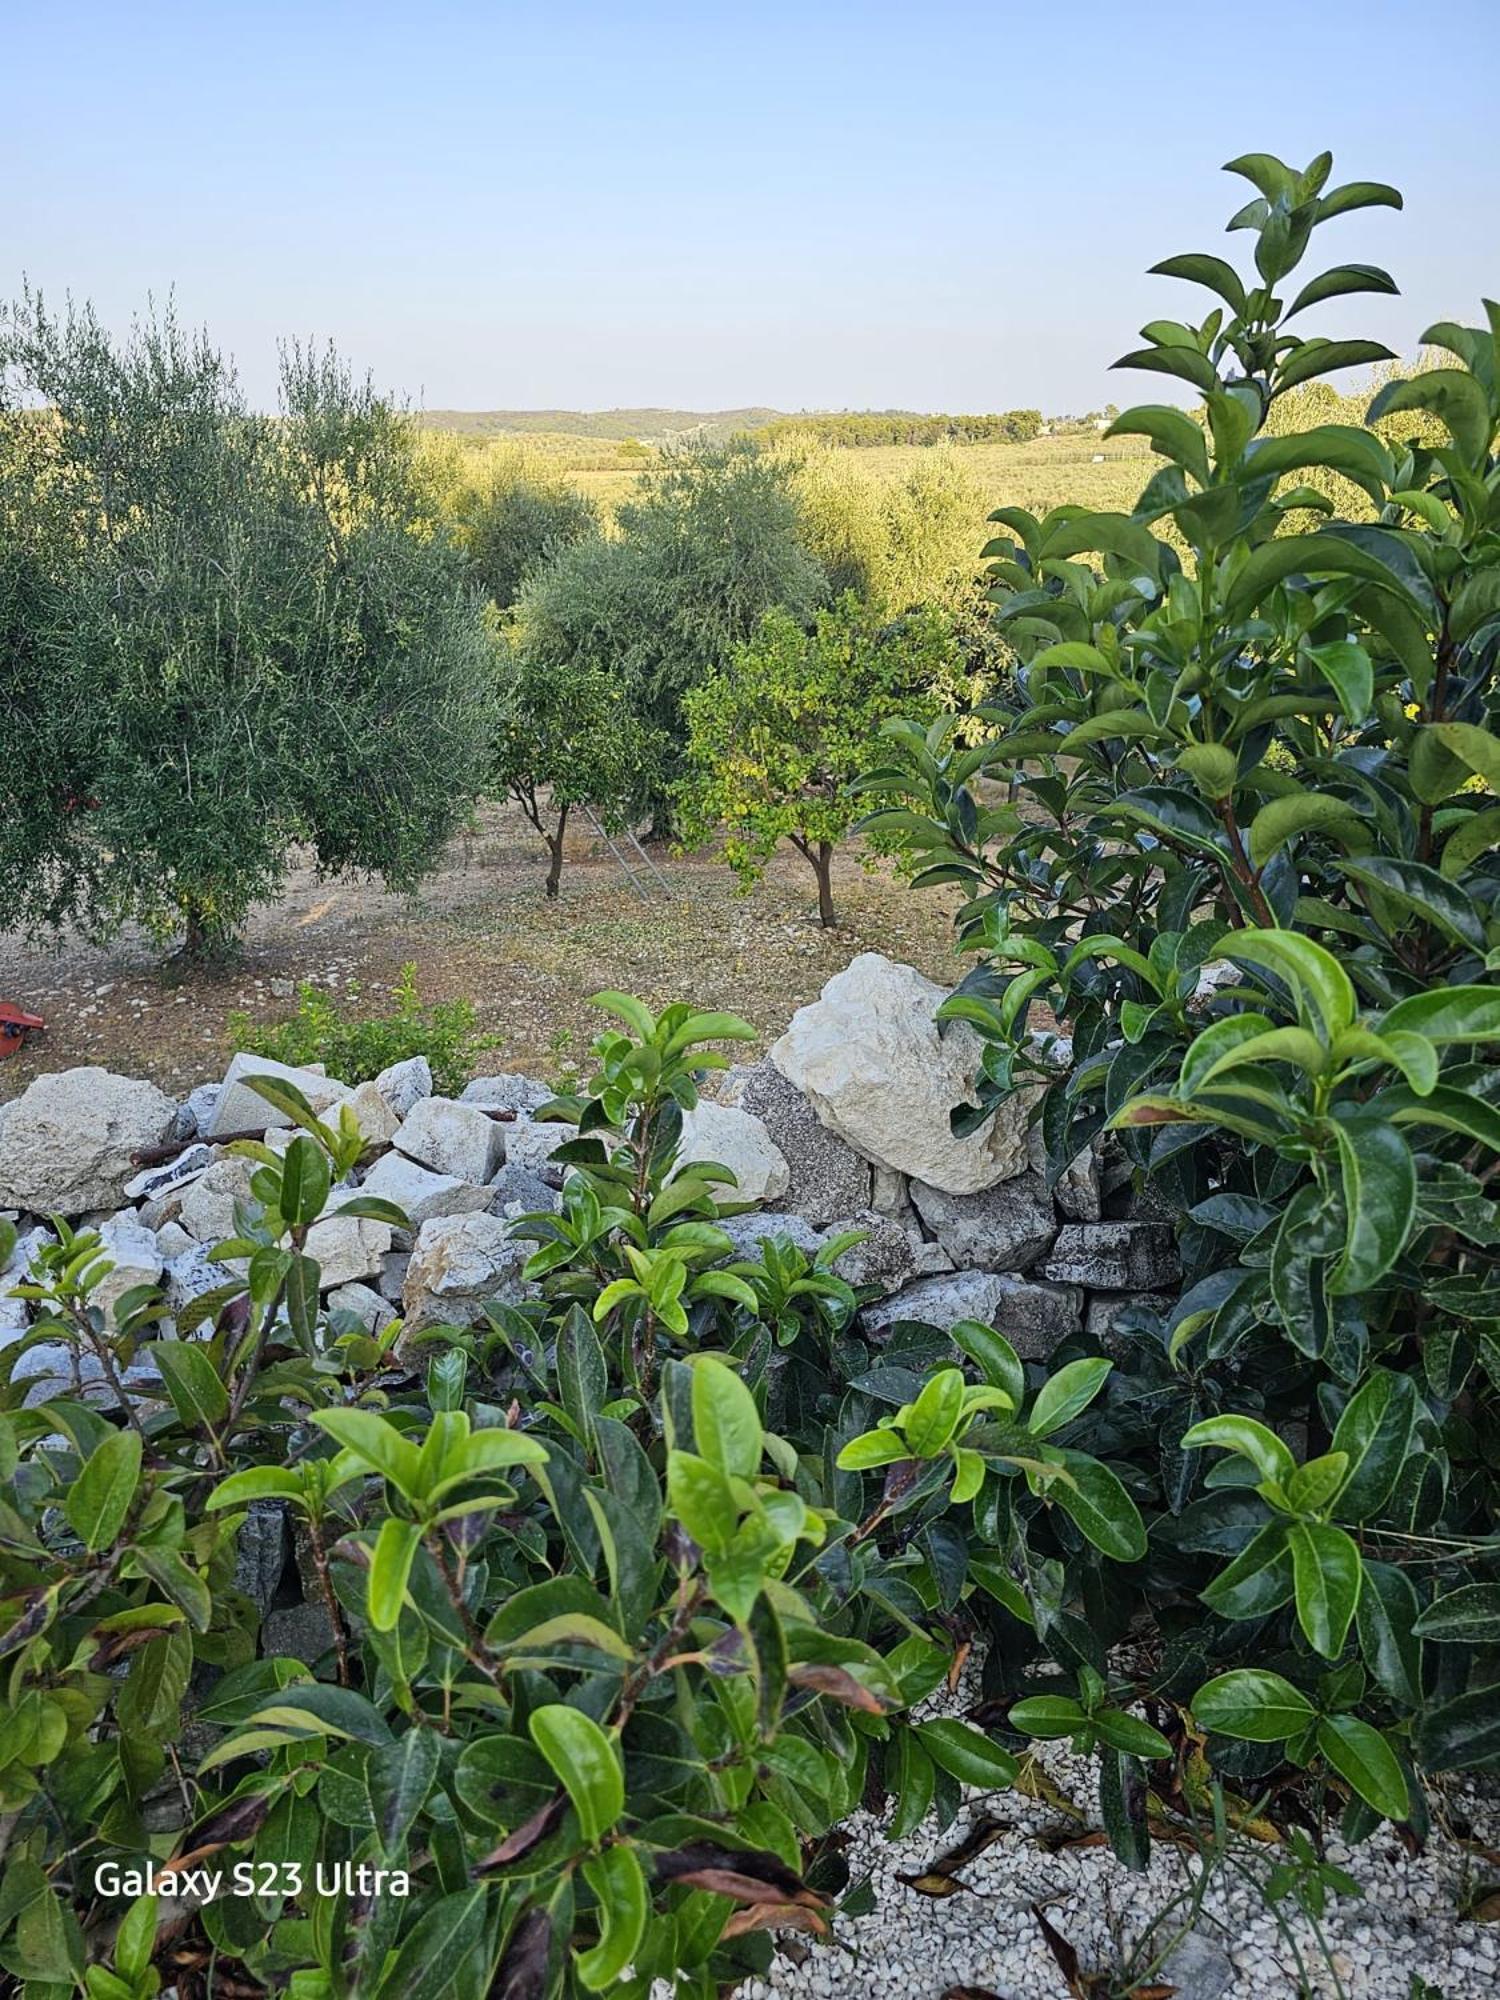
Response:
column 635, row 880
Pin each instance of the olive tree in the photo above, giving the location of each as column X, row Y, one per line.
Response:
column 224, row 638
column 778, row 735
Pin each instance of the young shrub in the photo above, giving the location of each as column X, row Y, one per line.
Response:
column 356, row 1047
column 1236, row 834
column 779, row 734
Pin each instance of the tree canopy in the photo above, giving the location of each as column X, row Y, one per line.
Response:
column 222, row 635
column 777, row 736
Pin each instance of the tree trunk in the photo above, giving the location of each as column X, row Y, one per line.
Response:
column 555, row 849
column 822, row 863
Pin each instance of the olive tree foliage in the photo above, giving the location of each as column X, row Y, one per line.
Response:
column 507, row 506
column 778, row 735
column 226, row 635
column 914, row 541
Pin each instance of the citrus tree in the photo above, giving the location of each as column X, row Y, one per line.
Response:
column 777, row 736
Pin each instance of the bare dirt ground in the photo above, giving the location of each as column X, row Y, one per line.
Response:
column 479, row 929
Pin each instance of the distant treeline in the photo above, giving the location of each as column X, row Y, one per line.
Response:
column 872, row 427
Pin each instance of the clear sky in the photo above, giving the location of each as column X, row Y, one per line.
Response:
column 930, row 204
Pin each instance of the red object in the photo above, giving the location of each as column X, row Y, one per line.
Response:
column 15, row 1025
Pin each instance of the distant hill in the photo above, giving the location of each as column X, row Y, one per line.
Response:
column 650, row 426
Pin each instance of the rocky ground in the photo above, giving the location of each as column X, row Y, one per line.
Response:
column 1411, row 1922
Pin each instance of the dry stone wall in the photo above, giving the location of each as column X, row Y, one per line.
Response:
column 845, row 1126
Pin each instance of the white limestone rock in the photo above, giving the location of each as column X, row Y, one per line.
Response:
column 1003, row 1228
column 67, row 1140
column 377, row 1121
column 367, row 1306
column 452, row 1138
column 509, row 1091
column 207, row 1212
column 404, row 1083
column 530, row 1146
column 137, row 1259
column 421, row 1194
column 870, row 1058
column 347, row 1248
column 737, row 1140
column 240, row 1109
column 458, row 1264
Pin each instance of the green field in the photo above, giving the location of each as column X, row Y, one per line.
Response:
column 1075, row 466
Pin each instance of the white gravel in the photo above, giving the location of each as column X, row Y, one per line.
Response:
column 912, row 1947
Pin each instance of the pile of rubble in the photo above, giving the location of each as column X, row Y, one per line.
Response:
column 844, row 1126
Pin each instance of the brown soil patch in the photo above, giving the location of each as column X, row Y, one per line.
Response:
column 479, row 929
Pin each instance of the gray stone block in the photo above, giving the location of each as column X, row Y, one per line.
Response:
column 1115, row 1256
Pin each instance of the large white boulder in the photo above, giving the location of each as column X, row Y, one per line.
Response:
column 239, row 1109
column 737, row 1140
column 66, row 1142
column 869, row 1057
column 458, row 1264
column 452, row 1138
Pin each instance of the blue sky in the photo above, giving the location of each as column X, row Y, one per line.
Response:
column 937, row 205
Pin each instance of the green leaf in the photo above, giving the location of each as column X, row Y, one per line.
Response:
column 1199, row 268
column 1468, row 1616
column 1361, row 1755
column 1253, row 1706
column 99, row 1498
column 390, row 1568
column 619, row 1885
column 1296, row 813
column 726, row 1423
column 992, row 1354
column 256, row 1482
column 1048, row 1716
column 1258, row 1581
column 1380, row 1200
column 1338, row 282
column 1350, row 672
column 1326, row 1574
column 305, row 1180
column 315, row 1707
column 1462, row 1734
column 198, row 1395
column 398, row 1777
column 1447, row 1014
column 934, row 1415
column 1451, row 395
column 1375, row 1434
column 1098, row 1505
column 1319, row 985
column 871, row 1449
column 1386, row 1618
column 1423, row 893
column 436, row 1947
column 1064, row 1395
column 967, row 1754
column 375, row 1443
column 1129, row 1735
column 586, row 1761
column 1310, row 555
column 1251, row 1439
